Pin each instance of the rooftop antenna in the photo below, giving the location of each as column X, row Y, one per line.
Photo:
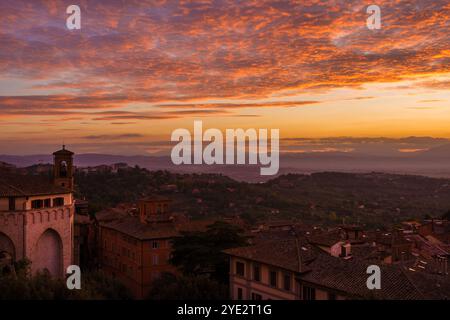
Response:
column 299, row 255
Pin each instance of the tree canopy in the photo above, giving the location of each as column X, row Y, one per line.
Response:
column 201, row 253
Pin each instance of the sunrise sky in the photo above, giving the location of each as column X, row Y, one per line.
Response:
column 139, row 69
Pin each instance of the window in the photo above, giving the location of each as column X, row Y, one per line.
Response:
column 155, row 260
column 155, row 244
column 63, row 169
column 12, row 204
column 240, row 269
column 309, row 293
column 37, row 204
column 256, row 296
column 240, row 294
column 47, row 203
column 287, row 282
column 273, row 278
column 58, row 202
column 343, row 251
column 256, row 273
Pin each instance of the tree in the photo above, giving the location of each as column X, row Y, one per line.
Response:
column 201, row 253
column 170, row 287
column 21, row 285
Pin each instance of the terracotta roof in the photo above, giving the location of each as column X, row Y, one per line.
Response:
column 110, row 214
column 326, row 238
column 350, row 277
column 155, row 198
column 364, row 251
column 290, row 254
column 15, row 185
column 347, row 276
column 195, row 225
column 162, row 226
column 432, row 286
column 133, row 227
column 63, row 151
column 389, row 239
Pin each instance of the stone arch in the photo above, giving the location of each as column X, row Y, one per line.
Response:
column 49, row 253
column 6, row 244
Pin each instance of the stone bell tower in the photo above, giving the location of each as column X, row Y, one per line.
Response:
column 63, row 168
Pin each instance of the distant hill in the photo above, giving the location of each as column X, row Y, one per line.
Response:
column 434, row 162
column 375, row 199
column 6, row 167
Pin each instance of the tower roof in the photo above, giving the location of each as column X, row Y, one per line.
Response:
column 63, row 151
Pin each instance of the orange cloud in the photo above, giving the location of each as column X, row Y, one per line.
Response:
column 191, row 56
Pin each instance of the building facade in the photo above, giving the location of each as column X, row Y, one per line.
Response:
column 36, row 217
column 136, row 249
column 295, row 267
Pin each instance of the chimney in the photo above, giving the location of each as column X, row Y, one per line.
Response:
column 346, row 250
column 442, row 263
column 299, row 255
column 142, row 208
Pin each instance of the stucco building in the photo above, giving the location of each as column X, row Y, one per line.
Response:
column 289, row 266
column 135, row 244
column 36, row 216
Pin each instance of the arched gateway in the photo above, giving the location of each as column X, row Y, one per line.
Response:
column 49, row 253
column 7, row 245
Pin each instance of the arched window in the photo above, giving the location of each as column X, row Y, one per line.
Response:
column 6, row 245
column 63, row 169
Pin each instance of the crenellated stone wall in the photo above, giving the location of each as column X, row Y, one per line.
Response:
column 45, row 236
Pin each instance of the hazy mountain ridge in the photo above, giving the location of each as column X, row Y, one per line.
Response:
column 434, row 162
